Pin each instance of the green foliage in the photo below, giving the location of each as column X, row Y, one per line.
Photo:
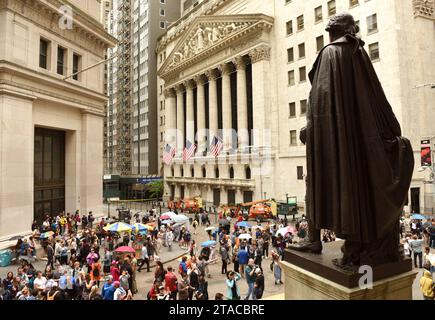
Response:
column 155, row 189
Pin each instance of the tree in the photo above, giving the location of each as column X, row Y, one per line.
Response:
column 155, row 189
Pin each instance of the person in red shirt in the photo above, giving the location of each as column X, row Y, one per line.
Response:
column 114, row 271
column 171, row 284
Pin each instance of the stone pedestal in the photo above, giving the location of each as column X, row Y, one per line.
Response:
column 314, row 277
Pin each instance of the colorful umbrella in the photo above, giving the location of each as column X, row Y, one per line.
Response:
column 243, row 224
column 46, row 235
column 125, row 249
column 208, row 243
column 118, row 227
column 245, row 236
column 142, row 227
column 284, row 231
column 417, row 216
column 180, row 218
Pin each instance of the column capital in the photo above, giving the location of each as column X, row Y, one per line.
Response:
column 225, row 68
column 239, row 62
column 170, row 93
column 199, row 79
column 212, row 74
column 260, row 53
column 179, row 88
column 189, row 84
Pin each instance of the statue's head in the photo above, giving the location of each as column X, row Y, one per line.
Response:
column 341, row 24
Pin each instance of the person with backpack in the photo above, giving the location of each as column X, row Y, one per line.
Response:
column 96, row 271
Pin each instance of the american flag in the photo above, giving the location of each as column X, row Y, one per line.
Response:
column 216, row 146
column 168, row 154
column 189, row 150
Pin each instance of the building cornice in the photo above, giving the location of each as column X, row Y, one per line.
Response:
column 86, row 32
column 11, row 74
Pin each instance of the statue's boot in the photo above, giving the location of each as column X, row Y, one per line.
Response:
column 313, row 245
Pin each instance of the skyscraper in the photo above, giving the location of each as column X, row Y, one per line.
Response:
column 132, row 146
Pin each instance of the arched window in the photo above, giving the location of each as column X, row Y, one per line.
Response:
column 231, row 173
column 204, row 172
column 216, row 172
column 248, row 172
column 182, row 171
column 192, row 171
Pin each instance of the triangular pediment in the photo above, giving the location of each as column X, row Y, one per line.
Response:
column 210, row 32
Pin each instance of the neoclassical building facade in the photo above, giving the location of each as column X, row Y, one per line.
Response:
column 51, row 117
column 239, row 70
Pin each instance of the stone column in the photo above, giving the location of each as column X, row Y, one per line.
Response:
column 260, row 57
column 200, row 116
column 226, row 69
column 180, row 119
column 212, row 75
column 190, row 115
column 242, row 103
column 239, row 195
column 171, row 117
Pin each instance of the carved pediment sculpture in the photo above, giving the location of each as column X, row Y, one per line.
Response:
column 204, row 37
column 210, row 34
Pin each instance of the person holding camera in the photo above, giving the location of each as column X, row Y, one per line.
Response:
column 250, row 278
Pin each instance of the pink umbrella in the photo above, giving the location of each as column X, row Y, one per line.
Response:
column 164, row 217
column 125, row 249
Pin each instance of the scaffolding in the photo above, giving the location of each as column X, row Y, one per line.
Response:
column 123, row 99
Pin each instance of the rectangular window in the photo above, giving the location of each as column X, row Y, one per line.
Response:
column 318, row 16
column 289, row 26
column 292, row 109
column 162, row 25
column 319, row 43
column 372, row 23
column 162, row 12
column 302, row 74
column 162, row 1
column 332, row 9
column 43, row 53
column 290, row 55
column 60, row 60
column 291, row 78
column 353, row 3
column 293, row 141
column 300, row 172
column 301, row 49
column 374, row 51
column 76, row 65
column 300, row 22
column 303, row 107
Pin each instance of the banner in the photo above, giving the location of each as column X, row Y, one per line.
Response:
column 426, row 160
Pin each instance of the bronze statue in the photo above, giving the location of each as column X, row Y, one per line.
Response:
column 359, row 167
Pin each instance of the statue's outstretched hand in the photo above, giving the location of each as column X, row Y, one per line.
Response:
column 303, row 135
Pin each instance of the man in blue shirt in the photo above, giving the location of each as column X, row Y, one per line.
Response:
column 243, row 256
column 183, row 266
column 108, row 290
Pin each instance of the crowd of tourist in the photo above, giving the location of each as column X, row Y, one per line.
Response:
column 82, row 262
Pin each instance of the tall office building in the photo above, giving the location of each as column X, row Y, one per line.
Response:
column 132, row 145
column 51, row 116
column 243, row 65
